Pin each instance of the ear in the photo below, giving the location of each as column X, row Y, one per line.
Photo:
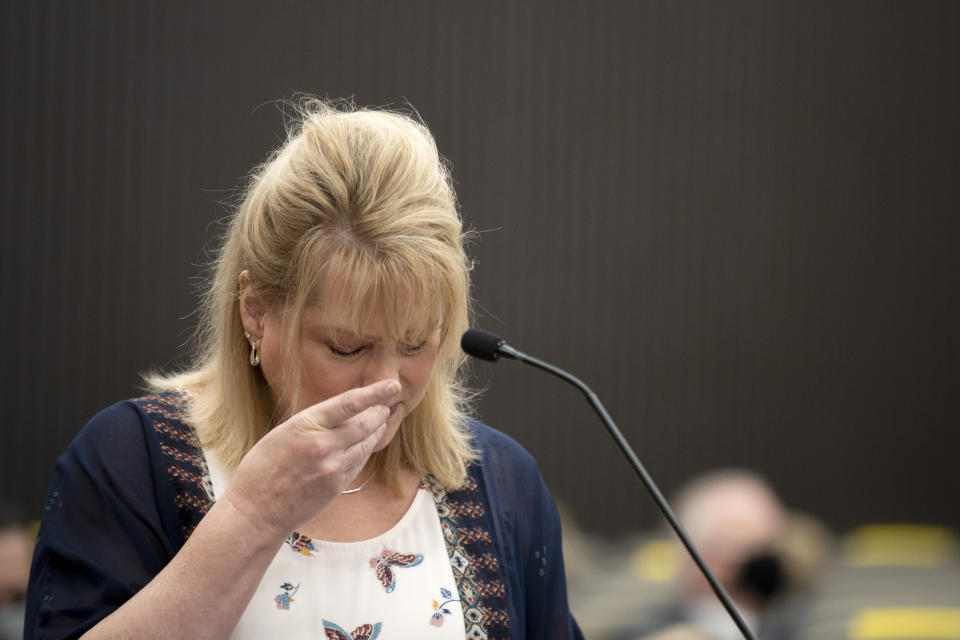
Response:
column 252, row 308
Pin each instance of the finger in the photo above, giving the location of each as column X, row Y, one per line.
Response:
column 356, row 455
column 340, row 408
column 357, row 428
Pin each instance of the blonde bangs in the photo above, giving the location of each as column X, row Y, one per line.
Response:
column 407, row 289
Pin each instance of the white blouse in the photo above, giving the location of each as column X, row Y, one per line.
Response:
column 398, row 585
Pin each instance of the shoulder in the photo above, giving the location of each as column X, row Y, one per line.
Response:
column 127, row 443
column 125, row 427
column 115, row 431
column 114, row 451
column 497, row 448
column 510, row 473
column 138, row 456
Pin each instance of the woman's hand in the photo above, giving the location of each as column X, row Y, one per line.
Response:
column 303, row 464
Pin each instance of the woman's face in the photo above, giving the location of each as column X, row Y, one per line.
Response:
column 335, row 358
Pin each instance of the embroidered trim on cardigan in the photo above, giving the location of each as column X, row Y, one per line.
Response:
column 476, row 567
column 186, row 466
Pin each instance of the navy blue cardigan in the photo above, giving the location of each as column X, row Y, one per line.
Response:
column 131, row 487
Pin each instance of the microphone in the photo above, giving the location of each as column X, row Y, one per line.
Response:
column 488, row 346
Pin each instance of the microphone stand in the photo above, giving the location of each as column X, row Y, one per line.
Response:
column 509, row 352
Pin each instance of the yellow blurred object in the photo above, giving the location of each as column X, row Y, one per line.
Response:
column 678, row 632
column 916, row 623
column 656, row 561
column 900, row 545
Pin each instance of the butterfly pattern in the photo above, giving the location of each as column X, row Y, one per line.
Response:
column 440, row 608
column 334, row 631
column 387, row 560
column 284, row 599
column 301, row 544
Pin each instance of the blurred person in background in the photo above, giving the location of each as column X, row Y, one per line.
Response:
column 16, row 548
column 755, row 548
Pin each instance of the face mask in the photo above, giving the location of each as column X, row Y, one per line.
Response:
column 762, row 576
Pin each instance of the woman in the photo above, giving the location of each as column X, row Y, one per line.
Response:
column 313, row 474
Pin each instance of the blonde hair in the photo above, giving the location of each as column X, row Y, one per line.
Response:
column 358, row 196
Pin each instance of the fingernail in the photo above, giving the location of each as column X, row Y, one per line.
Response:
column 381, row 427
column 386, row 412
column 393, row 387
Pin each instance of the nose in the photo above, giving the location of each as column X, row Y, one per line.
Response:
column 385, row 365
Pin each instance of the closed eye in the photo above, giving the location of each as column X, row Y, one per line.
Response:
column 411, row 349
column 345, row 353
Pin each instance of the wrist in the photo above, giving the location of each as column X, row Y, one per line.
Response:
column 243, row 523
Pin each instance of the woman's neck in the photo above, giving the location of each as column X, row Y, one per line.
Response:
column 367, row 513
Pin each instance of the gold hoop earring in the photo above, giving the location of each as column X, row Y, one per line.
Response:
column 254, row 353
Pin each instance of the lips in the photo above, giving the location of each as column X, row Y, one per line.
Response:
column 393, row 408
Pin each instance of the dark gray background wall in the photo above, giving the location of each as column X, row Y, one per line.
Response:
column 736, row 220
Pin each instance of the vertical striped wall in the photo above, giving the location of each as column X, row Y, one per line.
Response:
column 736, row 220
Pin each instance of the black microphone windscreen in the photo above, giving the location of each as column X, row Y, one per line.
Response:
column 481, row 344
